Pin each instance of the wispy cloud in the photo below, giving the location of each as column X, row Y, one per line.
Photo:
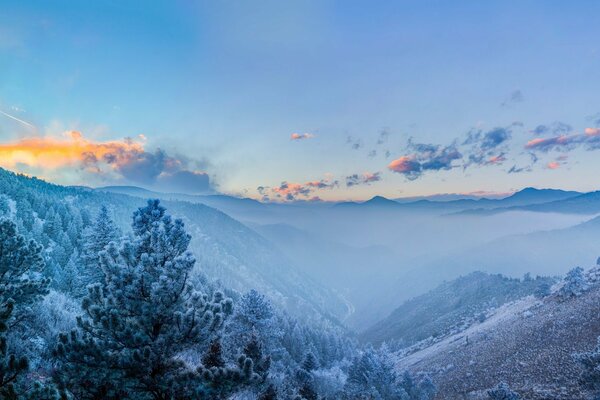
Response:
column 516, row 96
column 590, row 139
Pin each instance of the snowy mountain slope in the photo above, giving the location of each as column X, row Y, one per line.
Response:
column 449, row 306
column 225, row 249
column 527, row 343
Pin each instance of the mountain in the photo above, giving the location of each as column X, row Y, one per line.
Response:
column 581, row 203
column 526, row 197
column 452, row 197
column 449, row 306
column 527, row 343
column 532, row 195
column 226, row 250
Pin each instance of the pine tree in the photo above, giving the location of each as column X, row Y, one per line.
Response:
column 305, row 377
column 574, row 284
column 253, row 314
column 21, row 284
column 253, row 350
column 146, row 314
column 96, row 237
column 214, row 355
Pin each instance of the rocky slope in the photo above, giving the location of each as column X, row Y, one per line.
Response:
column 527, row 343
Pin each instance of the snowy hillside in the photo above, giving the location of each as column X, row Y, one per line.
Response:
column 449, row 306
column 226, row 249
column 526, row 343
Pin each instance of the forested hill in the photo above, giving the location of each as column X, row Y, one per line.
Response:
column 450, row 307
column 226, row 250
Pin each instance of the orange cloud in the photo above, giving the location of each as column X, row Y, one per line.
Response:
column 116, row 159
column 72, row 150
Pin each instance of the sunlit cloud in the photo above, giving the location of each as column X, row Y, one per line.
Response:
column 125, row 159
column 291, row 191
column 363, row 179
column 425, row 157
column 301, row 136
column 553, row 165
column 590, row 139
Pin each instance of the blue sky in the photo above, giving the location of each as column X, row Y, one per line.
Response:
column 220, row 87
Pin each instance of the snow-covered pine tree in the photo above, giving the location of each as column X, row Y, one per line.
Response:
column 305, row 377
column 142, row 319
column 21, row 284
column 574, row 284
column 214, row 355
column 254, row 351
column 372, row 375
column 95, row 239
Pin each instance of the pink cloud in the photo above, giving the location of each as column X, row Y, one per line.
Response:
column 301, row 136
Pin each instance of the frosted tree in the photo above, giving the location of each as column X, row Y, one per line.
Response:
column 305, row 378
column 96, row 237
column 21, row 284
column 254, row 351
column 135, row 327
column 590, row 366
column 574, row 284
column 253, row 315
column 503, row 392
column 372, row 375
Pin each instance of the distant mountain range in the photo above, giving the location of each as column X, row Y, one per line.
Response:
column 529, row 197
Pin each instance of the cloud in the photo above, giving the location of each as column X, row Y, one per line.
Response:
column 516, row 96
column 517, row 170
column 425, row 157
column 363, row 179
column 301, row 136
column 290, row 191
column 595, row 119
column 560, row 143
column 487, row 148
column 113, row 160
column 553, row 165
column 556, row 128
column 355, row 144
column 384, row 135
column 592, row 132
column 185, row 181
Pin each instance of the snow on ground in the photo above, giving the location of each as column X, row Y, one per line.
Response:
column 527, row 343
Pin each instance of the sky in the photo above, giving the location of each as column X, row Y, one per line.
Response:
column 303, row 100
